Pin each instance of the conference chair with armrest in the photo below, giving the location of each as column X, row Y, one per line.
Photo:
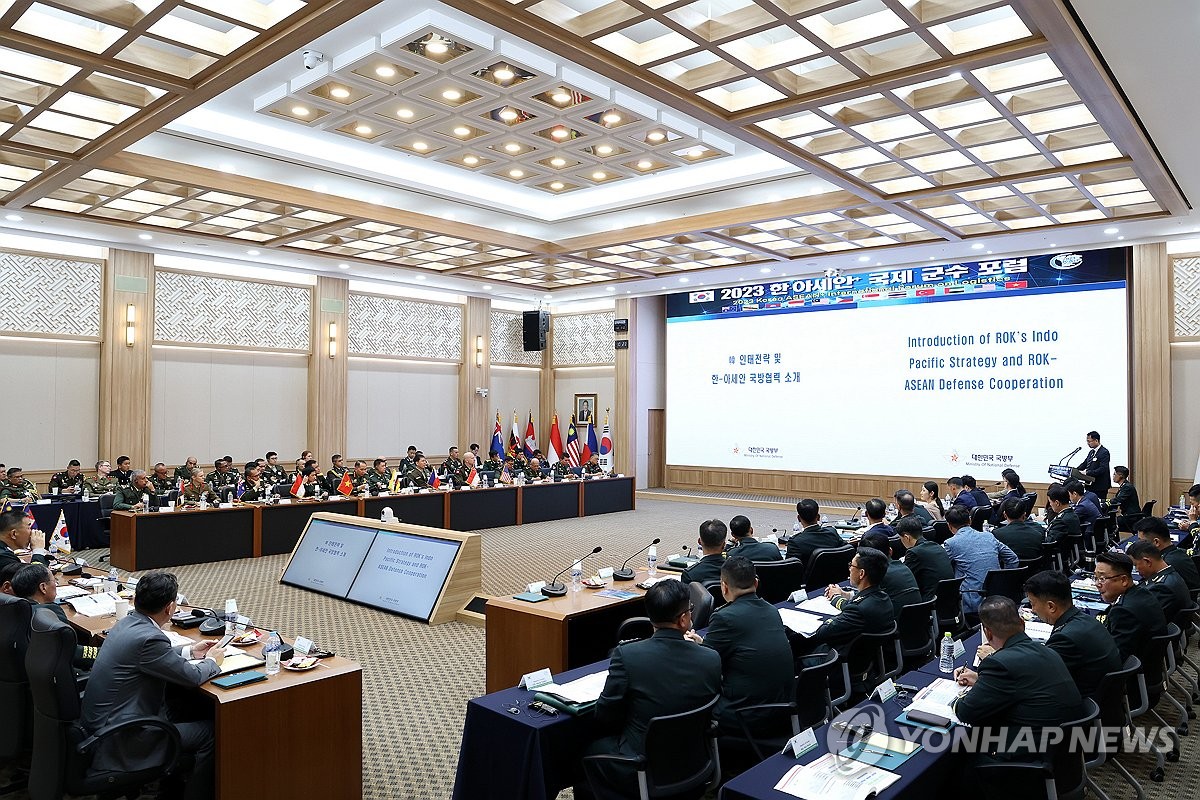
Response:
column 814, row 705
column 778, row 579
column 1061, row 776
column 1112, row 696
column 634, row 629
column 681, row 758
column 15, row 732
column 765, row 729
column 828, row 565
column 714, row 591
column 869, row 657
column 702, row 604
column 898, row 548
column 1004, row 582
column 950, row 616
column 1174, row 637
column 1052, row 557
column 1185, row 620
column 939, row 532
column 842, row 672
column 1072, row 548
column 1154, row 661
column 1028, row 501
column 918, row 633
column 980, row 515
column 105, row 519
column 62, row 750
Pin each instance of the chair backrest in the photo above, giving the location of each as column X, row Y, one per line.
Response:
column 634, row 629
column 55, row 702
column 813, row 706
column 940, row 532
column 1006, row 583
column 14, row 685
column 868, row 654
column 106, row 505
column 702, row 604
column 980, row 515
column 1148, row 507
column 1051, row 557
column 778, row 579
column 1066, row 756
column 949, row 605
column 1113, row 698
column 1028, row 502
column 680, row 752
column 714, row 591
column 917, row 629
column 1072, row 545
column 828, row 565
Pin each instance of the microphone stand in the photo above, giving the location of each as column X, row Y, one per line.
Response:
column 556, row 589
column 626, row 574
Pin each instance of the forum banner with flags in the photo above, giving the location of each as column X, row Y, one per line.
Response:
column 530, row 437
column 606, row 448
column 498, row 438
column 554, row 452
column 572, row 452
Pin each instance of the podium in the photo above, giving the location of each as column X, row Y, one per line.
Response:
column 1064, row 473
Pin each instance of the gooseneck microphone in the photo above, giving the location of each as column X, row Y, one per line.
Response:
column 556, row 589
column 625, row 573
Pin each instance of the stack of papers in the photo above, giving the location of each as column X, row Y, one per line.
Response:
column 582, row 690
column 1038, row 631
column 827, row 778
column 937, row 698
column 819, row 605
column 94, row 605
column 236, row 661
column 67, row 592
column 801, row 623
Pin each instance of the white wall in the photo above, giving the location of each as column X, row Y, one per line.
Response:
column 514, row 389
column 650, row 344
column 49, row 403
column 208, row 403
column 1185, row 410
column 589, row 380
column 392, row 404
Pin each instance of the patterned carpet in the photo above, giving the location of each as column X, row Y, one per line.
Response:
column 418, row 678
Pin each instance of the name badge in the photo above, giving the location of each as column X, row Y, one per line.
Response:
column 302, row 645
column 535, row 587
column 885, row 691
column 285, row 501
column 960, row 649
column 532, row 680
column 45, row 501
column 606, row 573
column 801, row 743
column 225, row 505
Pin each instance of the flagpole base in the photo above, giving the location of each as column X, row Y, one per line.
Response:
column 554, row 590
column 623, row 575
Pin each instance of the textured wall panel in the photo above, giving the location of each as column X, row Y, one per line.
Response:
column 39, row 294
column 389, row 326
column 506, row 341
column 1187, row 296
column 199, row 309
column 583, row 339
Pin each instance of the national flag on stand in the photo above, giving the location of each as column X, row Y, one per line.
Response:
column 498, row 437
column 61, row 540
column 180, row 487
column 590, row 445
column 241, row 489
column 345, row 485
column 472, row 477
column 530, row 437
column 434, row 480
column 514, row 438
column 606, row 446
column 572, row 451
column 32, row 520
column 298, row 484
column 394, row 483
column 555, row 453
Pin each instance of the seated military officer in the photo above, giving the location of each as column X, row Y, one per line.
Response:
column 418, row 476
column 161, row 480
column 198, row 490
column 712, row 544
column 562, row 471
column 379, row 478
column 69, row 481
column 101, row 482
column 184, row 471
column 273, row 473
column 137, row 495
column 33, row 582
column 493, row 463
column 253, row 487
column 592, row 467
column 16, row 487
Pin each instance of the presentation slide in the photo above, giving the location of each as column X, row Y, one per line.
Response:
column 943, row 370
column 404, row 573
column 328, row 557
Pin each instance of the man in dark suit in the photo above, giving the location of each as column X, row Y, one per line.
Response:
column 962, row 495
column 1133, row 614
column 1160, row 578
column 1096, row 465
column 665, row 674
column 1126, row 500
column 17, row 533
column 1022, row 536
column 1021, row 687
column 712, row 544
column 130, row 680
column 928, row 561
column 1065, row 522
column 876, row 513
column 1153, row 529
column 1085, row 503
column 898, row 582
column 35, row 583
column 746, row 546
column 813, row 535
column 972, row 486
column 1086, row 646
column 748, row 633
column 907, row 505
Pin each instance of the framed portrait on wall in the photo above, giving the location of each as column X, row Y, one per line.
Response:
column 585, row 409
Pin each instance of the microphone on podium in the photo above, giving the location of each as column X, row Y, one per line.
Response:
column 556, row 589
column 625, row 573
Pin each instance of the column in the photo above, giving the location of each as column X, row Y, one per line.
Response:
column 625, row 413
column 127, row 332
column 1151, row 379
column 474, row 424
column 327, row 368
column 546, row 399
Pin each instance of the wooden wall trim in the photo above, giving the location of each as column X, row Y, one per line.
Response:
column 473, row 409
column 327, row 377
column 123, row 406
column 625, row 393
column 1150, row 351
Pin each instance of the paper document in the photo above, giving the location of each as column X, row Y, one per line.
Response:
column 801, row 623
column 581, row 690
column 1085, row 585
column 819, row 605
column 94, row 605
column 937, row 698
column 236, row 661
column 67, row 592
column 178, row 640
column 1038, row 631
column 827, row 779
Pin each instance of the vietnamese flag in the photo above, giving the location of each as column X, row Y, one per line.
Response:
column 1016, row 285
column 297, row 484
column 346, row 486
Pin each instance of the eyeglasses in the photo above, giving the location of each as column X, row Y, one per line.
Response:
column 1106, row 578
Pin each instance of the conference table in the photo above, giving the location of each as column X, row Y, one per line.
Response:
column 82, row 519
column 283, row 728
column 150, row 540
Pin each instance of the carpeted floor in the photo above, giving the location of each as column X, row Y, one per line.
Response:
column 418, row 678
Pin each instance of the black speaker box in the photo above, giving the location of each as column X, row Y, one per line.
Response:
column 534, row 325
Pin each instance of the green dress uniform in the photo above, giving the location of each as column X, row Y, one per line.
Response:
column 868, row 611
column 705, row 570
column 592, row 469
column 1065, row 523
column 1088, row 650
column 1183, row 564
column 24, row 491
column 379, row 483
column 163, row 485
column 562, row 470
column 492, row 465
column 62, row 480
column 274, row 475
column 1133, row 619
column 453, row 466
column 417, row 477
column 217, row 478
column 405, row 466
column 129, row 496
column 182, row 472
column 98, row 485
column 756, row 659
column 192, row 495
column 255, row 491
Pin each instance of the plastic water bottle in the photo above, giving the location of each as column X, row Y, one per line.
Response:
column 145, row 502
column 204, row 501
column 891, row 510
column 652, row 561
column 87, row 495
column 271, row 652
column 824, row 519
column 795, row 528
column 946, row 661
column 576, row 576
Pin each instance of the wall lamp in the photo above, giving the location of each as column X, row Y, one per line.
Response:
column 333, row 340
column 130, row 318
column 479, row 351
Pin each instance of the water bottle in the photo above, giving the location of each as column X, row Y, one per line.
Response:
column 204, row 501
column 231, row 616
column 576, row 576
column 271, row 653
column 1183, row 501
column 795, row 528
column 891, row 510
column 145, row 502
column 652, row 561
column 946, row 661
column 86, row 493
column 824, row 519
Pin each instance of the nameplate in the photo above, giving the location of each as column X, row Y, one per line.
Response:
column 534, row 680
column 801, row 743
column 285, row 501
column 165, row 509
column 798, row 596
column 536, row 586
column 225, row 505
column 45, row 501
column 302, row 645
column 620, row 474
column 465, row 486
column 960, row 649
column 885, row 691
column 606, row 573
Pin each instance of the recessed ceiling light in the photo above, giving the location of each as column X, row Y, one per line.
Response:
column 300, row 111
column 420, row 146
column 645, row 164
column 227, row 168
column 462, row 130
column 560, row 133
column 1120, row 238
column 989, row 252
column 365, row 130
column 343, row 266
column 695, row 152
column 599, row 175
column 251, row 252
column 547, row 296
column 485, row 287
column 340, row 92
column 405, row 113
column 1111, row 231
column 864, row 259
column 765, row 270
column 683, row 280
column 436, row 45
column 385, row 71
column 420, row 277
column 656, row 136
column 13, row 217
column 504, row 73
column 558, row 161
column 604, row 149
column 561, row 96
column 508, row 113
column 979, row 246
column 556, row 185
column 512, row 147
column 452, row 94
column 516, row 173
column 470, row 160
column 611, row 118
column 145, row 237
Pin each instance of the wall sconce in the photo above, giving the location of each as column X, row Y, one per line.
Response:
column 130, row 318
column 333, row 340
column 479, row 351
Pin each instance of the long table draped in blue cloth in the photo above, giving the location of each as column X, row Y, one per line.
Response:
column 525, row 756
column 82, row 518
